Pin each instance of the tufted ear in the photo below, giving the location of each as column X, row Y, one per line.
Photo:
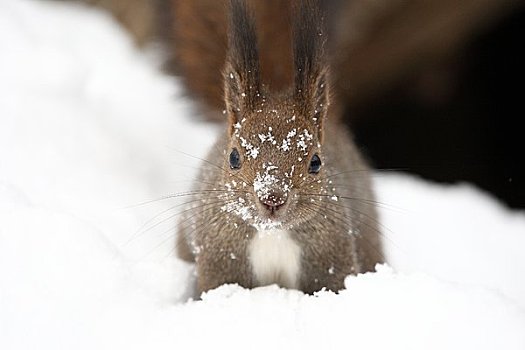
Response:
column 311, row 78
column 241, row 73
column 319, row 98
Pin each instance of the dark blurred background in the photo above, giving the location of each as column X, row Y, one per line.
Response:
column 432, row 87
column 457, row 116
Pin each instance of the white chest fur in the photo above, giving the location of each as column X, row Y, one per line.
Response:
column 275, row 258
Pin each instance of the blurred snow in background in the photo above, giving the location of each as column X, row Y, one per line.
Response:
column 89, row 128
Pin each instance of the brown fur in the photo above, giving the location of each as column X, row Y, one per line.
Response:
column 198, row 33
column 330, row 215
column 379, row 43
column 209, row 235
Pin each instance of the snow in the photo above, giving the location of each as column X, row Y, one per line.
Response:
column 89, row 129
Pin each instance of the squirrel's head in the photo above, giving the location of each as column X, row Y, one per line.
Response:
column 274, row 160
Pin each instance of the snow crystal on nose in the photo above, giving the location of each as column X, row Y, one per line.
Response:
column 268, row 181
column 264, row 183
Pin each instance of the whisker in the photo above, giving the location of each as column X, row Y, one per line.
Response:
column 143, row 226
column 173, row 229
column 362, row 172
column 379, row 204
column 201, row 226
column 343, row 215
column 237, row 175
column 342, row 220
column 374, row 220
column 173, row 216
column 183, row 194
column 366, row 201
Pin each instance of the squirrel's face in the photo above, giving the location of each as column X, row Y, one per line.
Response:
column 275, row 165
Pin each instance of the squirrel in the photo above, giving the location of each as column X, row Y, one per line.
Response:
column 284, row 197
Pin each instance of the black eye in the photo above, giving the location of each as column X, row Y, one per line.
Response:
column 235, row 159
column 315, row 164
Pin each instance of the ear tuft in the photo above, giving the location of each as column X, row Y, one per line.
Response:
column 320, row 95
column 241, row 74
column 233, row 94
column 320, row 100
column 311, row 73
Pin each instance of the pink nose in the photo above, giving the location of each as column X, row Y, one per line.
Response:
column 273, row 202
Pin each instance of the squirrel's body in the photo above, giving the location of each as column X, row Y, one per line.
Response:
column 284, row 195
column 332, row 244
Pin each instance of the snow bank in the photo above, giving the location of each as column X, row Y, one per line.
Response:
column 89, row 128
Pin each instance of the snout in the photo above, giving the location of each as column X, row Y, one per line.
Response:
column 273, row 194
column 273, row 203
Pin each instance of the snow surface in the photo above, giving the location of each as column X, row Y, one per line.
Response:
column 89, row 128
